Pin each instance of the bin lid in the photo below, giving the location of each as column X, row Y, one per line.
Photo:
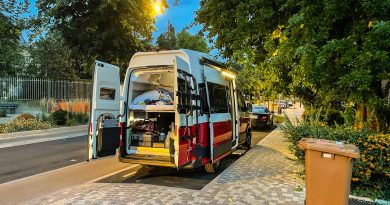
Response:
column 330, row 146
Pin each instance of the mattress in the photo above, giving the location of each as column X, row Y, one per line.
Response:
column 152, row 107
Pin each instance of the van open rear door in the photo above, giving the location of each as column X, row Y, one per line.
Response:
column 186, row 115
column 104, row 130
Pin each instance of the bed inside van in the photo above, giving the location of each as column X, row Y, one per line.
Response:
column 151, row 114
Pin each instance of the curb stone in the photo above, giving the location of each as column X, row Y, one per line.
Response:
column 41, row 132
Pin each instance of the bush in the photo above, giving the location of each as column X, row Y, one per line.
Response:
column 278, row 119
column 3, row 113
column 371, row 173
column 333, row 117
column 43, row 116
column 81, row 118
column 25, row 116
column 20, row 124
column 60, row 117
column 330, row 116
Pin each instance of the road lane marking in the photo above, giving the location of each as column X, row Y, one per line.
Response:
column 114, row 173
column 129, row 174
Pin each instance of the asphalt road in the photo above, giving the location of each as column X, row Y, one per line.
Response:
column 26, row 160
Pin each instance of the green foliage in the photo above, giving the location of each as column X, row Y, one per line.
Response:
column 80, row 118
column 3, row 113
column 349, row 116
column 370, row 177
column 329, row 116
column 167, row 40
column 110, row 31
column 50, row 54
column 193, row 42
column 43, row 116
column 11, row 26
column 62, row 117
column 278, row 119
column 21, row 124
column 318, row 51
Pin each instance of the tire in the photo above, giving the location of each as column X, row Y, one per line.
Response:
column 211, row 168
column 248, row 140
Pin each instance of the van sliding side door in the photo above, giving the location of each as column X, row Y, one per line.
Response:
column 104, row 131
column 220, row 123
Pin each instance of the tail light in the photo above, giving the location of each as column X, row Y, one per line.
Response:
column 121, row 127
column 264, row 118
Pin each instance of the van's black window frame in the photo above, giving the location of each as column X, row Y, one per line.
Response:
column 218, row 98
column 107, row 93
column 203, row 98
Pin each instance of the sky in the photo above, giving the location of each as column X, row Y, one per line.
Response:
column 179, row 16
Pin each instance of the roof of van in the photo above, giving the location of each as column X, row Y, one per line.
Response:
column 195, row 59
column 188, row 55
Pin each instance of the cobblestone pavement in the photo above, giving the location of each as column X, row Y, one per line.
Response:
column 264, row 175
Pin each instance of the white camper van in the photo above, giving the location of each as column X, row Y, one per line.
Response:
column 177, row 109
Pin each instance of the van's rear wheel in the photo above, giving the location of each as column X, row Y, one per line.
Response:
column 248, row 141
column 211, row 168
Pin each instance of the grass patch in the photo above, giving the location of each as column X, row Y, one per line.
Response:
column 278, row 119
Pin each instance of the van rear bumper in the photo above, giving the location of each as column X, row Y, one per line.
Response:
column 151, row 160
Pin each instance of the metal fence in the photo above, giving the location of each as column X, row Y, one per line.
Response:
column 37, row 88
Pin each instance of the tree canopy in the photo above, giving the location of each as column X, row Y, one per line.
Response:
column 11, row 26
column 167, row 40
column 51, row 54
column 170, row 40
column 193, row 42
column 318, row 50
column 110, row 31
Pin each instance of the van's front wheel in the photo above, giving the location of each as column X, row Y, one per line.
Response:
column 211, row 168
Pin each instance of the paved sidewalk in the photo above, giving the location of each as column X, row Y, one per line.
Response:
column 264, row 175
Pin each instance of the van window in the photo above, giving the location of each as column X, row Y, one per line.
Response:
column 184, row 98
column 107, row 94
column 203, row 97
column 218, row 98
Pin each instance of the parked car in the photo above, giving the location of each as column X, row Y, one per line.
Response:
column 261, row 117
column 290, row 103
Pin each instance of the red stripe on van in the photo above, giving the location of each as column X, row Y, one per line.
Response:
column 222, row 132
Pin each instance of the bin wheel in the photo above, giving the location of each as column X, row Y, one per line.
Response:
column 211, row 168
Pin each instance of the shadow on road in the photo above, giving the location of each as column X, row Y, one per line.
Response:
column 188, row 178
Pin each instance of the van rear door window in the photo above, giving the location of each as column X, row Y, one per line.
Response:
column 107, row 94
column 218, row 98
